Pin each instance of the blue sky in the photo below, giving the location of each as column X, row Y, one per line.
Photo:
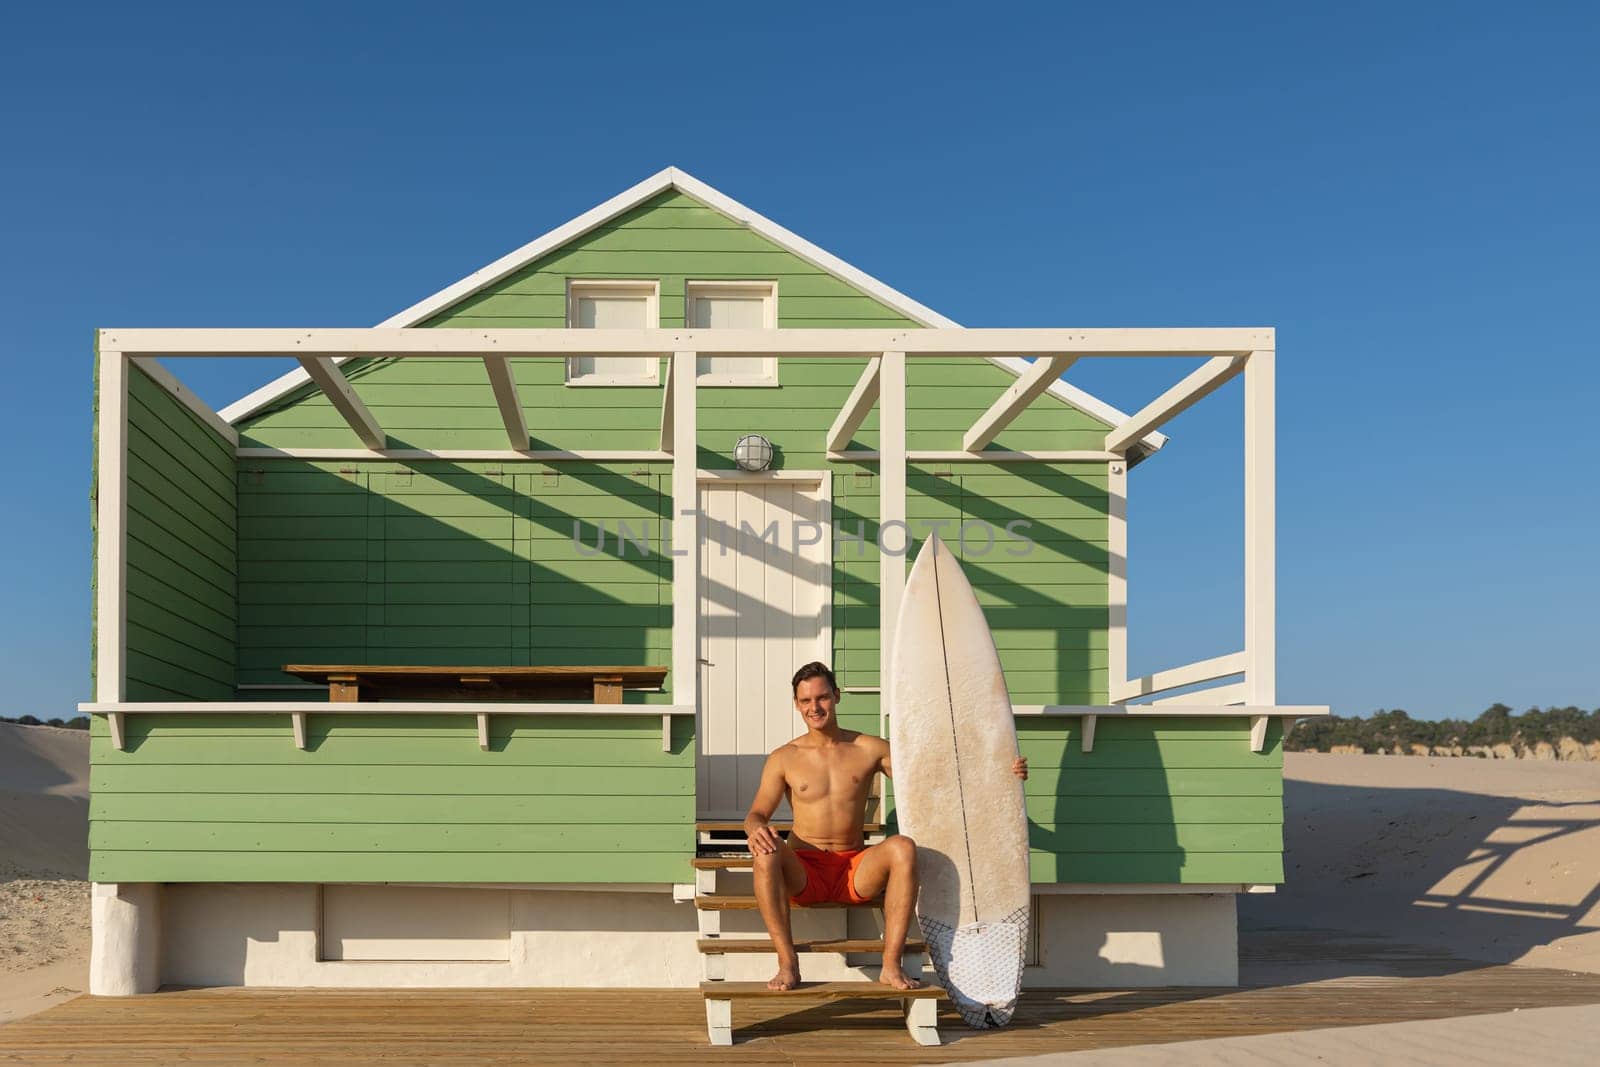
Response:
column 1407, row 192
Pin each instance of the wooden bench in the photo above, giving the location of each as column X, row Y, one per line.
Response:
column 348, row 683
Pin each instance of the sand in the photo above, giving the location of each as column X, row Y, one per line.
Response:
column 44, row 856
column 1494, row 860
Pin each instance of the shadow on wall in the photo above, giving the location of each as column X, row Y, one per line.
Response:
column 1485, row 877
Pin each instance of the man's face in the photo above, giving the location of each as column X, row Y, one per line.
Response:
column 815, row 701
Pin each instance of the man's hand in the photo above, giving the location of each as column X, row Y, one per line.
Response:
column 1019, row 767
column 764, row 840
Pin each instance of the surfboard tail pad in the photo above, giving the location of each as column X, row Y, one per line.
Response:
column 980, row 966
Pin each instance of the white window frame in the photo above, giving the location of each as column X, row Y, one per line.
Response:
column 694, row 290
column 650, row 289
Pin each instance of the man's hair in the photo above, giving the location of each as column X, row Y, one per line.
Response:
column 815, row 669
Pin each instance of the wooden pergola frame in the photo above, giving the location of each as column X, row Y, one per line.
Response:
column 1228, row 353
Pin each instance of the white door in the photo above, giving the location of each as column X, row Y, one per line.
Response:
column 765, row 609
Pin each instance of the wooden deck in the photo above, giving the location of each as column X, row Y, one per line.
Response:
column 1297, row 982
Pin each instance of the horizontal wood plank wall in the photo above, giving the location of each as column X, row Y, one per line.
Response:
column 403, row 798
column 181, row 550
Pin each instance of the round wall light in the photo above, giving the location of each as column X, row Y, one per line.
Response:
column 753, row 452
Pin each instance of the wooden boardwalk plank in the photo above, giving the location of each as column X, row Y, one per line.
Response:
column 536, row 1026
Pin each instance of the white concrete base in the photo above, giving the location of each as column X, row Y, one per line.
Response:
column 271, row 935
column 125, row 946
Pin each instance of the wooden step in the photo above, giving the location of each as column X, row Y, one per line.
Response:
column 725, row 902
column 721, row 863
column 824, row 944
column 817, row 991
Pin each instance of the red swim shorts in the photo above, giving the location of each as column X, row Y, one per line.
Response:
column 830, row 877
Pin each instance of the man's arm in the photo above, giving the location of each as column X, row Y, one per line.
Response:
column 763, row 838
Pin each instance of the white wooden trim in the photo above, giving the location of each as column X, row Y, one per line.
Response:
column 1258, row 733
column 1152, row 711
column 1260, row 538
column 455, row 343
column 185, row 396
column 111, row 508
column 1215, row 373
column 297, row 720
column 933, row 455
column 1116, row 576
column 666, row 733
column 373, row 707
column 856, row 407
column 762, row 476
column 685, row 538
column 1011, row 403
column 666, row 409
column 1206, row 670
column 1087, row 735
column 650, row 289
column 539, row 455
column 119, row 732
column 825, row 628
column 891, row 509
column 695, row 290
column 504, row 384
column 483, row 730
column 1220, row 696
column 336, row 387
column 670, row 178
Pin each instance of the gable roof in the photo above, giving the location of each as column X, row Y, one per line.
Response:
column 671, row 178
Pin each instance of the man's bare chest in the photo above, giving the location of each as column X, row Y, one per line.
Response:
column 814, row 776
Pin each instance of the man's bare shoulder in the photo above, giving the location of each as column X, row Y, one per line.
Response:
column 872, row 743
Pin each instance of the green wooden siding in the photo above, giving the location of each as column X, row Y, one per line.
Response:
column 181, row 551
column 391, row 798
column 382, row 562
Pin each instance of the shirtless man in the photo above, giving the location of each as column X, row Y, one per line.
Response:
column 826, row 774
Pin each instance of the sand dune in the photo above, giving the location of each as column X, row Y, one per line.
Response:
column 44, row 857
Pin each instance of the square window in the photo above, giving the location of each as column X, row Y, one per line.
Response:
column 613, row 305
column 733, row 306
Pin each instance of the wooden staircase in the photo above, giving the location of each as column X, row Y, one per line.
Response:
column 722, row 848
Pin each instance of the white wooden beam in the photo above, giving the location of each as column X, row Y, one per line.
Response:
column 891, row 510
column 111, row 533
column 504, row 384
column 448, row 342
column 1116, row 577
column 666, row 409
column 331, row 380
column 685, row 536
column 1011, row 403
column 186, row 396
column 1088, row 722
column 1260, row 530
column 297, row 722
column 1211, row 376
column 483, row 730
column 936, row 455
column 1217, row 696
column 532, row 455
column 1258, row 732
column 119, row 735
column 1206, row 670
column 856, row 406
column 378, row 707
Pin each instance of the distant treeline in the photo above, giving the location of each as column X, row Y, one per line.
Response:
column 78, row 722
column 1386, row 731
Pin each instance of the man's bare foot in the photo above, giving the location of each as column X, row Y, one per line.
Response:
column 895, row 978
column 786, row 978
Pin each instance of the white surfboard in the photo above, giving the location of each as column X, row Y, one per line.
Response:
column 954, row 741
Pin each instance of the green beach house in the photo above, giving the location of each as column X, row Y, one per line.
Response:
column 543, row 607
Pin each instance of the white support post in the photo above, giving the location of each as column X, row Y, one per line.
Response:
column 1117, row 578
column 336, row 387
column 666, row 408
column 504, row 385
column 856, row 407
column 1212, row 375
column 719, row 1021
column 891, row 511
column 111, row 515
column 685, row 539
column 1044, row 373
column 1260, row 536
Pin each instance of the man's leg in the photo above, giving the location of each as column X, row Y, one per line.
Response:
column 890, row 868
column 778, row 876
